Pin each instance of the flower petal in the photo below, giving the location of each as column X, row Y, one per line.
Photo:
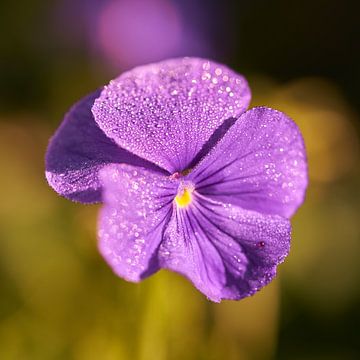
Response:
column 138, row 203
column 187, row 249
column 165, row 112
column 78, row 150
column 260, row 164
column 226, row 251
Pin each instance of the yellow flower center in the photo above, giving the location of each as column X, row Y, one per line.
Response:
column 184, row 198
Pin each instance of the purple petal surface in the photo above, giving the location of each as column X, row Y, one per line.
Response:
column 78, row 150
column 260, row 164
column 138, row 204
column 166, row 112
column 227, row 252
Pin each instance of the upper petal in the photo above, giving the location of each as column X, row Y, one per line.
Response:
column 138, row 204
column 165, row 112
column 78, row 150
column 226, row 251
column 260, row 164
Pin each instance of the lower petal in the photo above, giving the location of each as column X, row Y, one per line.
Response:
column 258, row 242
column 187, row 249
column 226, row 251
column 138, row 204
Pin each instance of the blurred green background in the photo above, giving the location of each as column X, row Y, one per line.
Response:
column 59, row 299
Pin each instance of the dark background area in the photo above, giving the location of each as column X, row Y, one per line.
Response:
column 283, row 39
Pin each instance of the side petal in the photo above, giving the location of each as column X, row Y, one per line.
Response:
column 260, row 164
column 166, row 112
column 227, row 252
column 138, row 204
column 78, row 150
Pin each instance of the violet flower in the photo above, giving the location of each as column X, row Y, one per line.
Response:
column 189, row 180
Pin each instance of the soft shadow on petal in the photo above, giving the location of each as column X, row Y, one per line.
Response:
column 165, row 112
column 259, row 164
column 138, row 204
column 226, row 251
column 78, row 150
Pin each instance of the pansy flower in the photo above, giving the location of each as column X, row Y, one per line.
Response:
column 190, row 180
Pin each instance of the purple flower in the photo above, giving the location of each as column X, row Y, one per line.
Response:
column 189, row 180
